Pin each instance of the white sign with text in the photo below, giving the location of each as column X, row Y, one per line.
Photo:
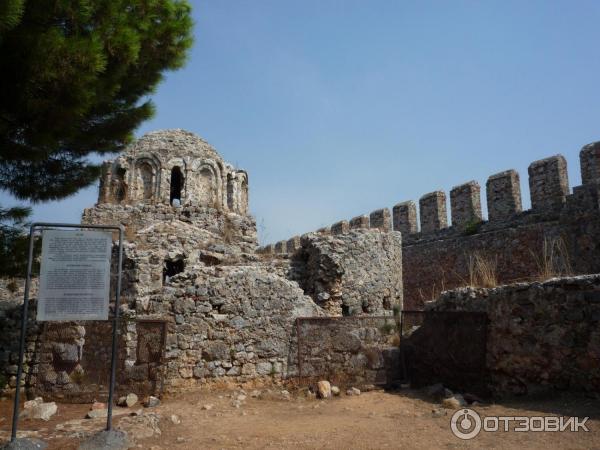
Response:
column 74, row 275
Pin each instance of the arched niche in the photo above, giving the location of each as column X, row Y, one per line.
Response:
column 231, row 191
column 119, row 185
column 243, row 192
column 207, row 186
column 145, row 180
column 244, row 197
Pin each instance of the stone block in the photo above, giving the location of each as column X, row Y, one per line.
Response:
column 503, row 192
column 548, row 182
column 433, row 212
column 465, row 204
column 405, row 217
column 381, row 219
column 589, row 158
column 359, row 222
column 341, row 227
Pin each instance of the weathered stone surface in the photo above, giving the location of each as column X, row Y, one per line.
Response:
column 405, row 217
column 503, row 195
column 381, row 219
column 465, row 204
column 353, row 273
column 540, row 336
column 589, row 158
column 106, row 440
column 359, row 222
column 38, row 409
column 152, row 402
column 433, row 215
column 128, row 400
column 25, row 444
column 548, row 182
column 323, row 389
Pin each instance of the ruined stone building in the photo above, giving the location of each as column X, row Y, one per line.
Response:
column 202, row 302
column 198, row 301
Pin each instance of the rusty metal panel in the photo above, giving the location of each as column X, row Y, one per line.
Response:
column 446, row 347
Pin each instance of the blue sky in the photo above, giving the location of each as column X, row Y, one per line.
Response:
column 337, row 108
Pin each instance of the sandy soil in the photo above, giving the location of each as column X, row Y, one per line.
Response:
column 373, row 420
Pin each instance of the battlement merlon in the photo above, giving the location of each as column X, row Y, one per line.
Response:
column 381, row 219
column 548, row 183
column 433, row 214
column 589, row 158
column 503, row 193
column 404, row 217
column 465, row 204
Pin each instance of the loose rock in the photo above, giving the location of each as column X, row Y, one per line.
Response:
column 152, row 402
column 323, row 389
column 353, row 391
column 128, row 400
column 37, row 409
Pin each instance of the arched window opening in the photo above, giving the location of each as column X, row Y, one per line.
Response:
column 207, row 194
column 244, row 197
column 176, row 184
column 120, row 186
column 230, row 192
column 172, row 268
column 146, row 181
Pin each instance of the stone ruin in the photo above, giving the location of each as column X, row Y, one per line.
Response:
column 202, row 302
column 198, row 302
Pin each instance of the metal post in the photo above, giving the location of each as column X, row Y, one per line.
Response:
column 299, row 345
column 115, row 332
column 15, row 421
column 35, row 225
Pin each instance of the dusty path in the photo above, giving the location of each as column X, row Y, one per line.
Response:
column 372, row 420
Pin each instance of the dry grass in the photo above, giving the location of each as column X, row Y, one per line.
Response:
column 553, row 259
column 482, row 271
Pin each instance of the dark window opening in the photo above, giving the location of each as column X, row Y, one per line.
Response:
column 121, row 186
column 172, row 268
column 176, row 184
column 345, row 310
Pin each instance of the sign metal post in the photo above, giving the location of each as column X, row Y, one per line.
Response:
column 113, row 368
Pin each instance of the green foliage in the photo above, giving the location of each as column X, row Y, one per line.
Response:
column 74, row 80
column 472, row 227
column 14, row 242
column 75, row 76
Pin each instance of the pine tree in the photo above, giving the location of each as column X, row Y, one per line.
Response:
column 75, row 76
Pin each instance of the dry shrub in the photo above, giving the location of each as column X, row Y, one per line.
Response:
column 482, row 271
column 553, row 260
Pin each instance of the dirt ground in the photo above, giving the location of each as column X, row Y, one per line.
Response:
column 268, row 418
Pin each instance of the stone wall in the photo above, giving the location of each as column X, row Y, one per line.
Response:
column 349, row 350
column 517, row 245
column 541, row 336
column 228, row 322
column 557, row 236
column 359, row 272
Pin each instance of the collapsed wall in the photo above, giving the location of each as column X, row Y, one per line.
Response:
column 198, row 302
column 359, row 272
column 540, row 336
